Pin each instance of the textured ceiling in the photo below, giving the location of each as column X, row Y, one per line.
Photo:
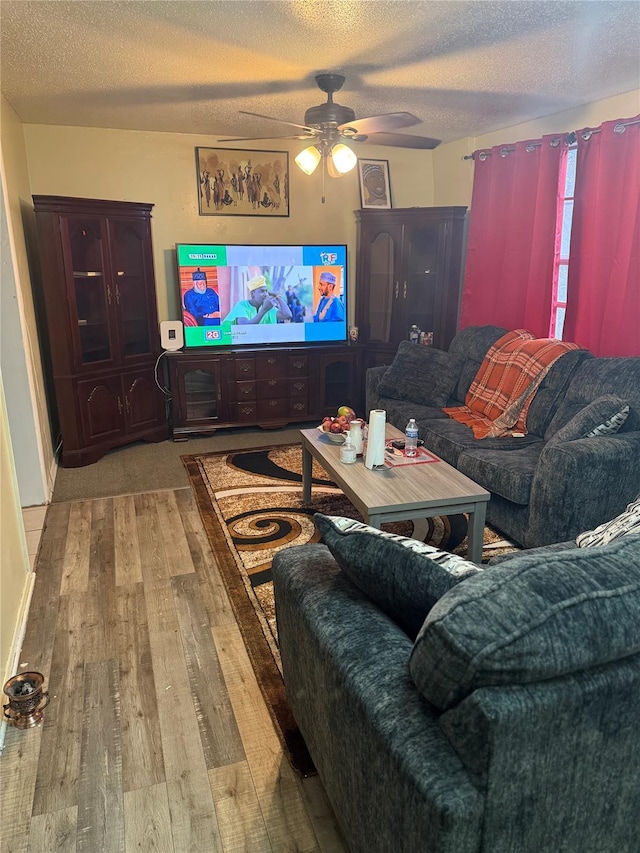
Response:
column 463, row 68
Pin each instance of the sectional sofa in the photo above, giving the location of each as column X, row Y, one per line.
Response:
column 553, row 482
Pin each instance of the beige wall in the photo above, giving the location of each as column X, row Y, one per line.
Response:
column 14, row 561
column 453, row 176
column 29, row 418
column 160, row 168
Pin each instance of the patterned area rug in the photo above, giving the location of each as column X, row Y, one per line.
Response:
column 251, row 506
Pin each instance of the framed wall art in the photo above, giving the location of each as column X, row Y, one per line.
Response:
column 235, row 182
column 375, row 189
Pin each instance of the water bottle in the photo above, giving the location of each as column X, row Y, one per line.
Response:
column 411, row 438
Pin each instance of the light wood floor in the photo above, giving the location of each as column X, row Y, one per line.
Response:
column 157, row 737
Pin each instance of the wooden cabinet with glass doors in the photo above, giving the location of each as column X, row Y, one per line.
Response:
column 409, row 268
column 97, row 289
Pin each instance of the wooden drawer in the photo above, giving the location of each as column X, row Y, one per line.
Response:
column 298, row 386
column 244, row 412
column 271, row 366
column 244, row 368
column 241, row 391
column 298, row 365
column 298, row 408
column 273, row 409
column 269, row 389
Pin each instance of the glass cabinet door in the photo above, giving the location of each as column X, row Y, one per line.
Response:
column 201, row 394
column 90, row 292
column 421, row 280
column 383, row 286
column 129, row 261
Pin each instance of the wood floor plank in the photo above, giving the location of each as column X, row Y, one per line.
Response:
column 39, row 635
column 282, row 806
column 214, row 593
column 142, row 760
column 147, row 820
column 19, row 771
column 59, row 760
column 221, row 741
column 100, row 795
column 152, row 553
column 100, row 617
column 193, row 821
column 242, row 826
column 321, row 815
column 175, row 541
column 54, row 831
column 127, row 552
column 75, row 577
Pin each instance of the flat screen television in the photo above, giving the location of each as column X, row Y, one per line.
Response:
column 253, row 295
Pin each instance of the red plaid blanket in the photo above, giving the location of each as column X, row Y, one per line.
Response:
column 499, row 397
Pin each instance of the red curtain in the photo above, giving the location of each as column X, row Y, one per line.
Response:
column 603, row 290
column 515, row 206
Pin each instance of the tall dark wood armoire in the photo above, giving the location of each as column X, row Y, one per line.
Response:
column 409, row 270
column 98, row 290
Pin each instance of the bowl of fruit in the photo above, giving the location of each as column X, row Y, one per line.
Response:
column 337, row 427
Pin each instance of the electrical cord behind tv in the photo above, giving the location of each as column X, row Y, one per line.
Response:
column 164, row 390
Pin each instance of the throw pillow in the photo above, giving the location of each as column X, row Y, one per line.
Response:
column 622, row 525
column 535, row 618
column 402, row 576
column 602, row 416
column 422, row 375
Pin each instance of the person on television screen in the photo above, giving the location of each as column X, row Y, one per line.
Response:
column 330, row 308
column 260, row 307
column 202, row 301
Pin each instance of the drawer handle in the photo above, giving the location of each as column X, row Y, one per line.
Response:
column 244, row 368
column 298, row 386
column 273, row 403
column 273, row 382
column 246, row 410
column 271, row 359
column 299, row 407
column 298, row 365
column 246, row 391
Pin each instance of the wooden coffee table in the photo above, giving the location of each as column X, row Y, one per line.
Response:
column 398, row 494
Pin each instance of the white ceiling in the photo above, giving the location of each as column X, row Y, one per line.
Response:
column 463, row 68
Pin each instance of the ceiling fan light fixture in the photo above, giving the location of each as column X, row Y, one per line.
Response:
column 343, row 158
column 308, row 159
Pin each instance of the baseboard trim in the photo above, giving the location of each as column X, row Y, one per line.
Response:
column 16, row 645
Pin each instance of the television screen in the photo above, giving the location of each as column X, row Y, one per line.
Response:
column 252, row 295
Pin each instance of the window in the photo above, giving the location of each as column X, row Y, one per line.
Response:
column 561, row 271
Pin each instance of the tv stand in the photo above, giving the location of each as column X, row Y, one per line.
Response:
column 266, row 387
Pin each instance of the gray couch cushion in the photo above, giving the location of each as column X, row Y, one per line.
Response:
column 595, row 377
column 472, row 344
column 506, row 473
column 524, row 621
column 421, row 375
column 448, row 439
column 402, row 576
column 592, row 416
column 552, row 389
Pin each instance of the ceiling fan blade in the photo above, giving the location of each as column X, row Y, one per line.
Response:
column 376, row 124
column 281, row 121
column 252, row 138
column 400, row 140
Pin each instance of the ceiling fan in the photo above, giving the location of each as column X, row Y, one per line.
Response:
column 329, row 125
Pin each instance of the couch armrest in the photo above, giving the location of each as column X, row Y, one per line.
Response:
column 580, row 484
column 376, row 742
column 373, row 378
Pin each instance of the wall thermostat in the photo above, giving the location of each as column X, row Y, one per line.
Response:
column 171, row 335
